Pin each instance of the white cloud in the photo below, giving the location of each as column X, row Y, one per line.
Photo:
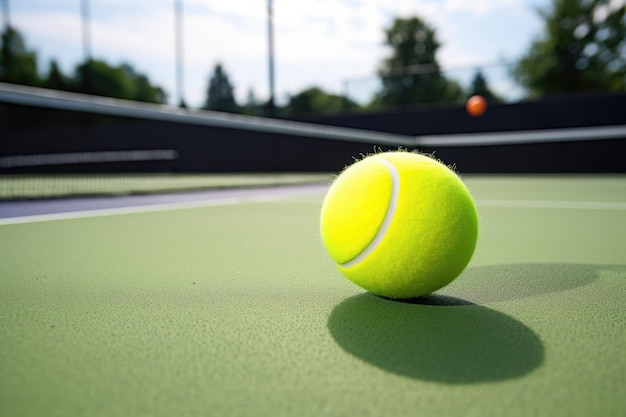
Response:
column 480, row 7
column 317, row 42
column 42, row 32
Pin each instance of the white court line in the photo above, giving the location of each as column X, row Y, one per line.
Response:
column 552, row 204
column 148, row 208
column 542, row 204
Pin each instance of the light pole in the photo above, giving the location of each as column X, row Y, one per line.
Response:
column 86, row 23
column 178, row 28
column 5, row 14
column 270, row 38
column 7, row 70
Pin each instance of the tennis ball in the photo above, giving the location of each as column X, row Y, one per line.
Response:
column 476, row 106
column 399, row 224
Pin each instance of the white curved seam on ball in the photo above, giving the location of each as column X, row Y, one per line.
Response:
column 391, row 211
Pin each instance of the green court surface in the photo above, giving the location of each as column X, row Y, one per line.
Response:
column 237, row 310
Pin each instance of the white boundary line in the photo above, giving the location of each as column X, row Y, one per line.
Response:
column 553, row 204
column 148, row 208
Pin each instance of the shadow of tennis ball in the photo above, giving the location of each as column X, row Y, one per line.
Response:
column 485, row 284
column 454, row 344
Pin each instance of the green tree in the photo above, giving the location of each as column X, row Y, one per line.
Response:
column 99, row 78
column 480, row 87
column 412, row 74
column 143, row 89
column 55, row 78
column 315, row 100
column 18, row 64
column 583, row 48
column 220, row 92
column 252, row 106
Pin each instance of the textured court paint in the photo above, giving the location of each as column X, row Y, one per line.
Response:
column 238, row 311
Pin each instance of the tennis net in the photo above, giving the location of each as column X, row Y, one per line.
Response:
column 64, row 144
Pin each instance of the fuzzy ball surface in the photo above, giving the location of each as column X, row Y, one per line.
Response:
column 399, row 224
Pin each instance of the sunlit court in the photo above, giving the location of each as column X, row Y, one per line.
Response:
column 273, row 208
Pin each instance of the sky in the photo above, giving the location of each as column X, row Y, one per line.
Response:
column 337, row 45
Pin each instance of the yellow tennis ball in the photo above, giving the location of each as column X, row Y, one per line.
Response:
column 399, row 224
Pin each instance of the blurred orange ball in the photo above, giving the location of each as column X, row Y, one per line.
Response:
column 476, row 106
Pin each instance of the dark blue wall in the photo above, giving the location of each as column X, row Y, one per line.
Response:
column 28, row 130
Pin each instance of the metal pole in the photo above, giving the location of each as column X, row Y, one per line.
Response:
column 7, row 70
column 86, row 22
column 178, row 27
column 5, row 15
column 270, row 36
column 346, row 94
